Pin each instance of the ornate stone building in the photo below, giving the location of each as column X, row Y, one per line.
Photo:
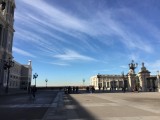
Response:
column 142, row 81
column 113, row 82
column 7, row 8
column 20, row 75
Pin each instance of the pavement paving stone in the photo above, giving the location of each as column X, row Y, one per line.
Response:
column 21, row 107
column 117, row 106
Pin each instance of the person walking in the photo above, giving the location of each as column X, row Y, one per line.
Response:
column 33, row 91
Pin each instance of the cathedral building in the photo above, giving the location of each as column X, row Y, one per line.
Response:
column 19, row 75
column 7, row 8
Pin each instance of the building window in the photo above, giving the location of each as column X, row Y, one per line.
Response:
column 0, row 34
column 3, row 38
column 12, row 10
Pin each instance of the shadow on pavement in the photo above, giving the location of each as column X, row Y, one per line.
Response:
column 75, row 110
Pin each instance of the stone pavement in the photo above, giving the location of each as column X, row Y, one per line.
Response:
column 55, row 110
column 20, row 106
column 105, row 106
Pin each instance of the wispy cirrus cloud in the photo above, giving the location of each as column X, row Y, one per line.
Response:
column 130, row 38
column 74, row 26
column 58, row 17
column 22, row 52
column 59, row 64
column 70, row 55
column 56, row 29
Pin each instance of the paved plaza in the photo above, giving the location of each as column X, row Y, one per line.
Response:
column 54, row 105
column 109, row 106
column 22, row 106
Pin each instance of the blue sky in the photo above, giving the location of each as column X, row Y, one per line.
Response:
column 72, row 40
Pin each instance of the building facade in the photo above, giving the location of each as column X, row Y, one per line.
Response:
column 26, row 75
column 20, row 75
column 142, row 81
column 108, row 82
column 7, row 8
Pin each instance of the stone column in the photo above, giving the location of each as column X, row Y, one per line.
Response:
column 118, row 84
column 143, row 81
column 142, row 77
column 131, row 82
column 97, row 82
column 102, row 80
column 109, row 84
column 158, row 81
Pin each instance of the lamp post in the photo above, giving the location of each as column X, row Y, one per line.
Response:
column 158, row 81
column 123, row 77
column 46, row 81
column 124, row 86
column 133, row 66
column 83, row 81
column 132, row 75
column 7, row 64
column 34, row 77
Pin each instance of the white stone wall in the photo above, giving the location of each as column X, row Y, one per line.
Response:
column 107, row 81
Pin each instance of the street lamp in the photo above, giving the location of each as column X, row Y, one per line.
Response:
column 83, row 81
column 158, row 81
column 34, row 77
column 132, row 75
column 46, row 81
column 7, row 64
column 133, row 66
column 124, row 87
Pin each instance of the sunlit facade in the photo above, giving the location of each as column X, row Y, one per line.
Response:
column 142, row 81
column 20, row 75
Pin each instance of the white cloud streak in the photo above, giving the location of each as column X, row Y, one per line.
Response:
column 71, row 55
column 105, row 25
column 80, row 29
column 59, row 64
column 22, row 52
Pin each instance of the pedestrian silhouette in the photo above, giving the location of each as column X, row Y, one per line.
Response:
column 33, row 91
